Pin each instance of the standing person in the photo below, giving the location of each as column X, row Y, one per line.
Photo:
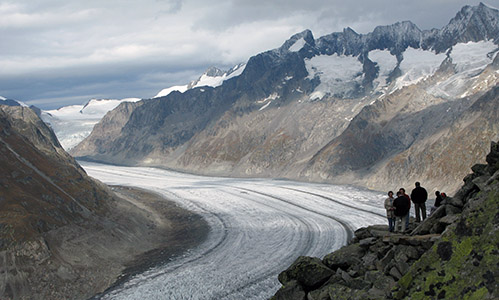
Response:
column 402, row 191
column 390, row 211
column 419, row 197
column 401, row 211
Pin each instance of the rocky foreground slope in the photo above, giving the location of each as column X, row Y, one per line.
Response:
column 453, row 254
column 64, row 235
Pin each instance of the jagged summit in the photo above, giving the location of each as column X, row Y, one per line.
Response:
column 471, row 23
column 298, row 41
column 344, row 104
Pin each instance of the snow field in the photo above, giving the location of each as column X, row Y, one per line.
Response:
column 258, row 228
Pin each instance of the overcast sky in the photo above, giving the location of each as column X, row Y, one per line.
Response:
column 60, row 52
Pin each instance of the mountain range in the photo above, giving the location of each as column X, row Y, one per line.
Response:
column 382, row 110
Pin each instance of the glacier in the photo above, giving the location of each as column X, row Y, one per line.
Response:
column 258, row 228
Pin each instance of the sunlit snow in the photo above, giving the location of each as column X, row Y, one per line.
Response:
column 473, row 55
column 338, row 74
column 386, row 63
column 167, row 91
column 298, row 45
column 258, row 228
column 215, row 81
column 204, row 80
column 469, row 60
column 75, row 122
column 418, row 64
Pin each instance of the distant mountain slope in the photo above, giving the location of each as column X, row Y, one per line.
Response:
column 337, row 108
column 74, row 123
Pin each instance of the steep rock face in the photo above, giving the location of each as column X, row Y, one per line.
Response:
column 470, row 24
column 42, row 186
column 387, row 94
column 42, row 189
column 107, row 130
column 450, row 255
column 411, row 136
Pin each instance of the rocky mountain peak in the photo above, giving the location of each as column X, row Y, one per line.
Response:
column 214, row 72
column 298, row 41
column 394, row 70
column 471, row 23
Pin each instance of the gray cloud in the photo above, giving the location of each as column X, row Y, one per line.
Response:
column 56, row 52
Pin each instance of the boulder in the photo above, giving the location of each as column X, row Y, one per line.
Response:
column 426, row 226
column 291, row 291
column 320, row 294
column 345, row 257
column 309, row 272
column 385, row 261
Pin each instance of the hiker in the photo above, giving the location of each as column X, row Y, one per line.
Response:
column 438, row 201
column 402, row 191
column 389, row 211
column 401, row 211
column 419, row 195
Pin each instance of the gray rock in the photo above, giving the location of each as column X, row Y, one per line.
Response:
column 383, row 282
column 367, row 242
column 291, row 291
column 426, row 226
column 381, row 264
column 447, row 220
column 369, row 260
column 375, row 293
column 345, row 257
column 452, row 210
column 402, row 266
column 310, row 272
column 395, row 273
column 455, row 201
column 320, row 294
column 493, row 157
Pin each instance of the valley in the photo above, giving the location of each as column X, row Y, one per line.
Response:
column 258, row 227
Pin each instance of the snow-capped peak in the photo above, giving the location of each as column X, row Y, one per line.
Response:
column 11, row 102
column 213, row 77
column 75, row 122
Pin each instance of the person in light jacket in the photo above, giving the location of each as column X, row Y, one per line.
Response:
column 390, row 211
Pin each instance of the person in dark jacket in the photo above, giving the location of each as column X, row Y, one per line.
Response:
column 419, row 195
column 402, row 191
column 401, row 206
column 438, row 201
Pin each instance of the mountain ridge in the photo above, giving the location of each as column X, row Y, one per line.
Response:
column 241, row 127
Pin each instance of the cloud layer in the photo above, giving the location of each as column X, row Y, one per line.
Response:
column 56, row 52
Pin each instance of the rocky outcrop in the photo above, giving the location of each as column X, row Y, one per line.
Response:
column 450, row 255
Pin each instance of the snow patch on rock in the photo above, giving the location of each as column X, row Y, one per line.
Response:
column 298, row 45
column 338, row 74
column 386, row 63
column 417, row 65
